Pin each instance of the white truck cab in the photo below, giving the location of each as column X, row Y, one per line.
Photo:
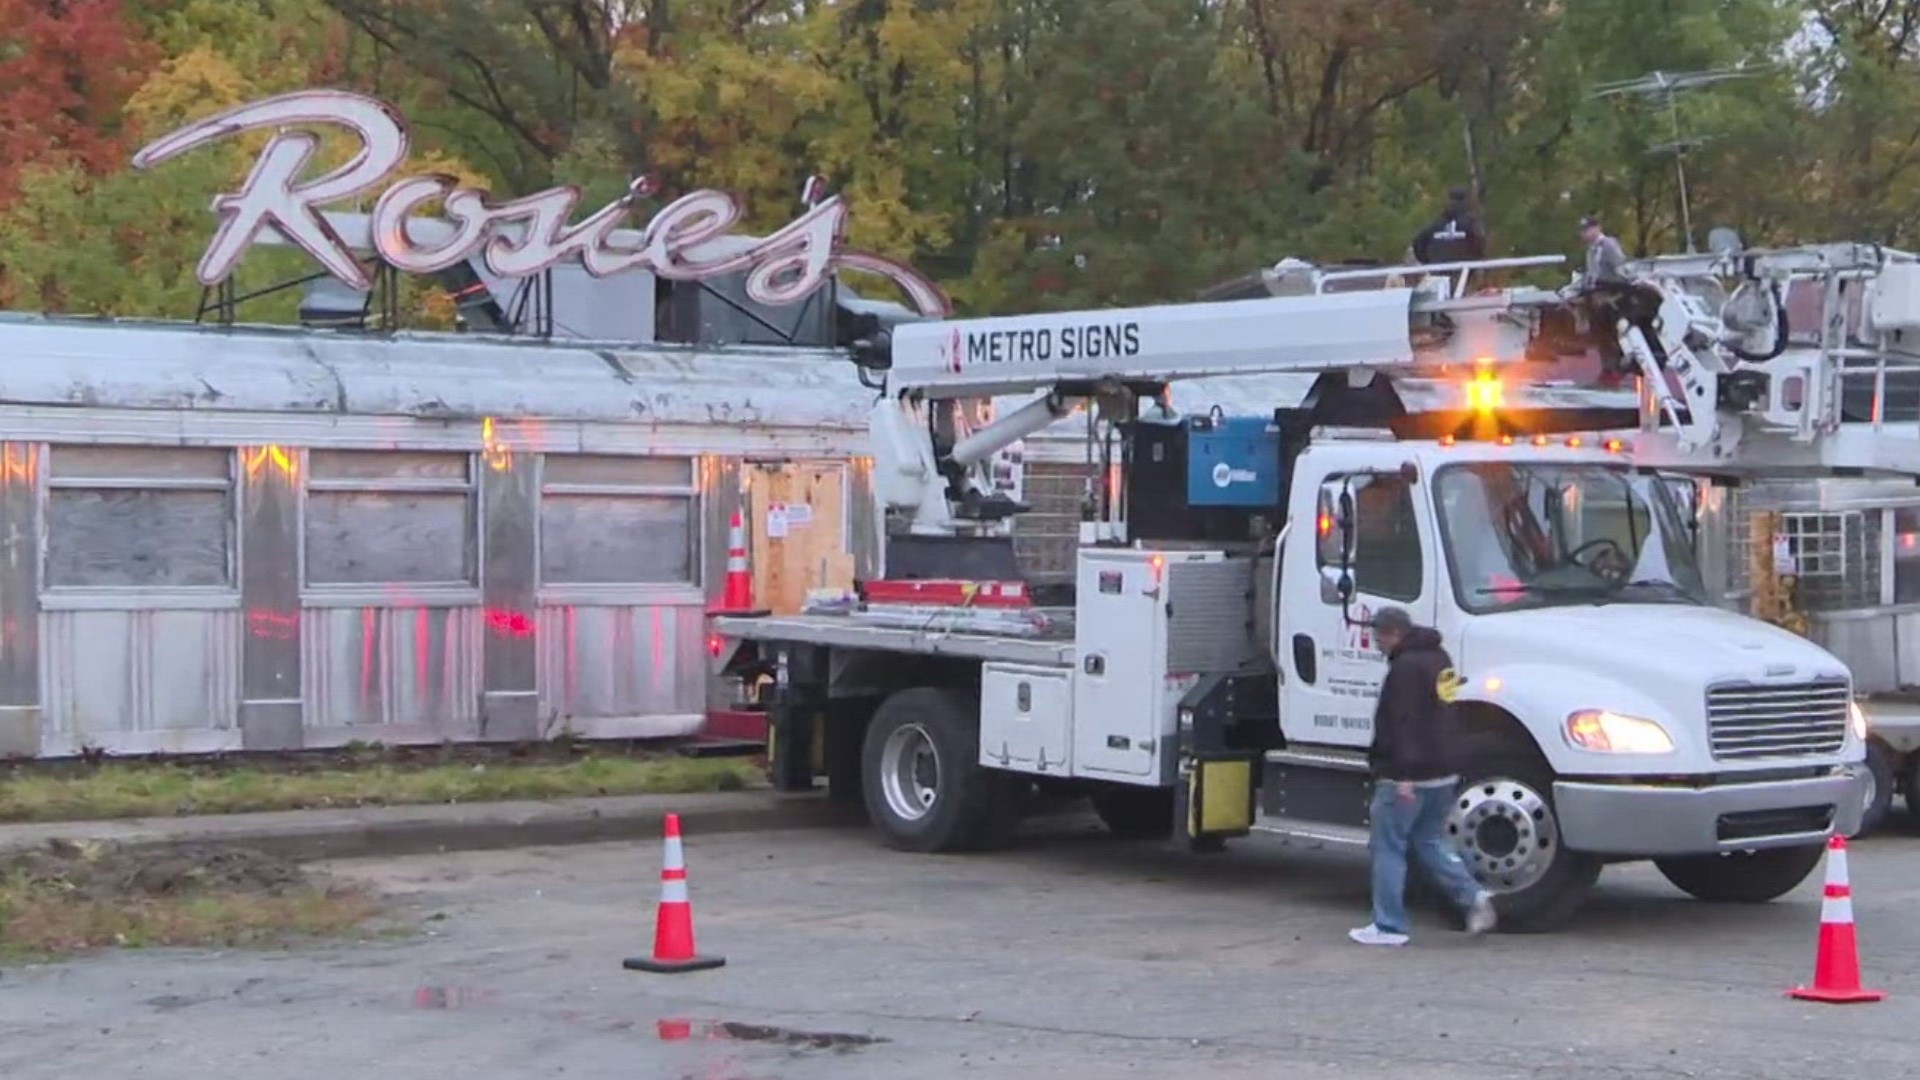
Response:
column 1212, row 673
column 1628, row 716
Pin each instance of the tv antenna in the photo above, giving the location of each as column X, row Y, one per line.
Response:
column 1663, row 88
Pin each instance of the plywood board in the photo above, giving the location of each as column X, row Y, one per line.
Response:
column 798, row 536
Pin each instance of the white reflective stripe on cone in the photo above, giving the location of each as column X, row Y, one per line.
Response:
column 676, row 858
column 736, row 564
column 1837, row 909
column 673, row 891
column 1837, row 866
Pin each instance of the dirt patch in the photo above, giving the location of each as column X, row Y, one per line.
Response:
column 68, row 896
column 105, row 871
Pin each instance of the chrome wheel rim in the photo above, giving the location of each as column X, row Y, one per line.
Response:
column 910, row 772
column 1505, row 832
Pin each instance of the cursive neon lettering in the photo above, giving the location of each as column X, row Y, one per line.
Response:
column 390, row 216
column 687, row 240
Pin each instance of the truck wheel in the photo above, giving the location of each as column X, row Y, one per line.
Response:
column 1879, row 794
column 1744, row 877
column 1135, row 811
column 1504, row 826
column 921, row 776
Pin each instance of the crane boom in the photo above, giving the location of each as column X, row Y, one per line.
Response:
column 1725, row 387
column 1395, row 328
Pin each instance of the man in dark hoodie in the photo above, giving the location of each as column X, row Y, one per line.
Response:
column 1455, row 236
column 1414, row 780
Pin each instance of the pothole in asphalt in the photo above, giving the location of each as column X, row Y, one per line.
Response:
column 677, row 1030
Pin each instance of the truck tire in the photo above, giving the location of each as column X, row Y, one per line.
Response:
column 1745, row 877
column 1504, row 826
column 1138, row 812
column 921, row 776
column 1879, row 796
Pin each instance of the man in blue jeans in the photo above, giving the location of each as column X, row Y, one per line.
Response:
column 1414, row 780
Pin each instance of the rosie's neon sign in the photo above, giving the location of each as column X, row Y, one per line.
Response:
column 515, row 238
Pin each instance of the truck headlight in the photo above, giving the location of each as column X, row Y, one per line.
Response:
column 1611, row 733
column 1857, row 717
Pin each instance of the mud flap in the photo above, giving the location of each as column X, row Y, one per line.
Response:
column 1217, row 800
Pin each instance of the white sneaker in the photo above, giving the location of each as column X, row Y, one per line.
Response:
column 1373, row 935
column 1480, row 915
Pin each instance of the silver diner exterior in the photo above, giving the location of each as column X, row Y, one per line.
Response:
column 257, row 539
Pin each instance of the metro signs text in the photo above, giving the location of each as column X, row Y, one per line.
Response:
column 1043, row 344
column 516, row 238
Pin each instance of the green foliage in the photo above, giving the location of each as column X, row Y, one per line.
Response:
column 1029, row 154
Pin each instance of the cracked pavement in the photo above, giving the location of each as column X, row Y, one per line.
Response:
column 1074, row 955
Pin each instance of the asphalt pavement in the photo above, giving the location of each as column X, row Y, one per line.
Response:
column 1075, row 955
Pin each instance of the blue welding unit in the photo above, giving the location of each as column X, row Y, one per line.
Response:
column 1233, row 461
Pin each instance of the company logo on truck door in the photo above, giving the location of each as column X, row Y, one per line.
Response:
column 1043, row 344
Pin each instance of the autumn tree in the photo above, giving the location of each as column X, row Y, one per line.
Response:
column 120, row 241
column 65, row 75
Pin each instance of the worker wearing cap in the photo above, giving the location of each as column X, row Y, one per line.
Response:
column 1608, row 292
column 1606, row 260
column 1414, row 780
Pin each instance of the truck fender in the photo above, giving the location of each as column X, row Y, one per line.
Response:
column 1542, row 697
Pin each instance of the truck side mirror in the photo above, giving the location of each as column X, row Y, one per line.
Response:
column 1326, row 530
column 1346, row 529
column 1345, row 585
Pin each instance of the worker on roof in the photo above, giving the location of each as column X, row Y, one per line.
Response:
column 1610, row 294
column 1455, row 236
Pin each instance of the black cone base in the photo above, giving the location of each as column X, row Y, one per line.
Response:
column 670, row 967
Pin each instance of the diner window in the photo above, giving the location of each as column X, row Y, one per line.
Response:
column 384, row 517
column 139, row 518
column 608, row 520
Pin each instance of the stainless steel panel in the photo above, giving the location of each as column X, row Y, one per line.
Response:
column 20, row 467
column 1905, row 659
column 864, row 526
column 120, row 673
column 1866, row 645
column 417, row 666
column 605, row 661
column 270, row 687
column 509, row 500
column 722, row 482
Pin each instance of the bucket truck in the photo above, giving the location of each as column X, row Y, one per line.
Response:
column 1212, row 674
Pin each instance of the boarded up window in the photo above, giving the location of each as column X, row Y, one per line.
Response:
column 137, row 539
column 389, row 518
column 608, row 520
column 368, row 538
column 139, row 518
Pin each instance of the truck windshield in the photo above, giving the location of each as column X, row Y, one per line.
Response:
column 1530, row 534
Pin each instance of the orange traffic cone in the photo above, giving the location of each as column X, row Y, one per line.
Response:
column 737, row 598
column 1836, row 967
column 673, row 927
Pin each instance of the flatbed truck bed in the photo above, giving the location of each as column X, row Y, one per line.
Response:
column 1052, row 648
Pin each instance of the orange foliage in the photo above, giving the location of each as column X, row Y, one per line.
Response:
column 68, row 70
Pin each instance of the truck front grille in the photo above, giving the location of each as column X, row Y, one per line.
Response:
column 1746, row 722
